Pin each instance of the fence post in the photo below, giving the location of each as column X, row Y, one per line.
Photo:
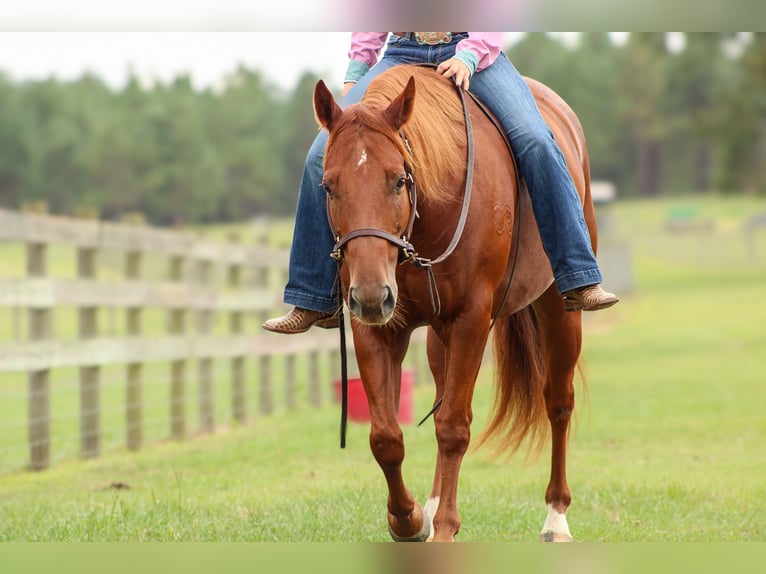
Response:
column 315, row 393
column 90, row 414
column 206, row 396
column 335, row 371
column 266, row 395
column 238, row 388
column 261, row 279
column 290, row 381
column 134, row 371
column 176, row 328
column 236, row 328
column 261, row 271
column 39, row 381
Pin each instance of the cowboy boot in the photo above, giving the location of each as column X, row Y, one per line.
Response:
column 301, row 320
column 588, row 298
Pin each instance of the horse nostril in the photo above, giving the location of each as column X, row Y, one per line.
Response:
column 390, row 300
column 353, row 304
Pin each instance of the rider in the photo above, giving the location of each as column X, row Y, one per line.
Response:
column 472, row 59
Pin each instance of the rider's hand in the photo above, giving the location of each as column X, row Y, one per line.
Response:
column 456, row 69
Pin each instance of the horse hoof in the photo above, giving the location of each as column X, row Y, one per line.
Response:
column 550, row 536
column 421, row 536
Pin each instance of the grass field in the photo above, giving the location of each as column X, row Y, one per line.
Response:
column 667, row 443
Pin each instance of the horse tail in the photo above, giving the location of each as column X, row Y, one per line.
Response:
column 518, row 411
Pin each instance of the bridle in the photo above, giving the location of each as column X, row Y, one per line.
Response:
column 408, row 254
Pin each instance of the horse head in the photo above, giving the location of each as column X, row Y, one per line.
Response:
column 369, row 204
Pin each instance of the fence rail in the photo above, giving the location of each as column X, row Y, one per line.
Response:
column 181, row 300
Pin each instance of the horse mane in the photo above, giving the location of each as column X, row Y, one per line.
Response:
column 435, row 131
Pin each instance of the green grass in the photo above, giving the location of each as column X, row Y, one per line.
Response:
column 667, row 443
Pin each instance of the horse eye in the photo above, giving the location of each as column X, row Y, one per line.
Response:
column 326, row 187
column 400, row 184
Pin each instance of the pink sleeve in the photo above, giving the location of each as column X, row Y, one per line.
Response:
column 485, row 45
column 366, row 46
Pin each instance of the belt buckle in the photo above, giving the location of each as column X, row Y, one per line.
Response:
column 433, row 38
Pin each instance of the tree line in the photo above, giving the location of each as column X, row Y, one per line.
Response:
column 657, row 121
column 661, row 121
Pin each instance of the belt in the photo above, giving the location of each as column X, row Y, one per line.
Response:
column 430, row 38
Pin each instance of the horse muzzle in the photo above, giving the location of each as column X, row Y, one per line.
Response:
column 372, row 305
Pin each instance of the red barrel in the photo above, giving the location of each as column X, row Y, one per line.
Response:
column 359, row 410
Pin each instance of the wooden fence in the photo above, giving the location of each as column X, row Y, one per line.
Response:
column 111, row 280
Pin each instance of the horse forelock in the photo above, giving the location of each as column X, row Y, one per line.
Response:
column 434, row 134
column 361, row 118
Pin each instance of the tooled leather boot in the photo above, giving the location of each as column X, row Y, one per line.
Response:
column 300, row 320
column 589, row 298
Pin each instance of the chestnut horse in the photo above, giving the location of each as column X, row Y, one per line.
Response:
column 395, row 176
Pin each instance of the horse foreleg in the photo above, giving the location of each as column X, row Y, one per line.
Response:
column 464, row 351
column 562, row 339
column 380, row 365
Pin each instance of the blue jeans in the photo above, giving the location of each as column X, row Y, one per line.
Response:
column 555, row 202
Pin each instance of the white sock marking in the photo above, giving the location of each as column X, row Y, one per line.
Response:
column 556, row 522
column 430, row 509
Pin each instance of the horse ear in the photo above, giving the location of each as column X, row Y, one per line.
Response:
column 400, row 109
column 326, row 110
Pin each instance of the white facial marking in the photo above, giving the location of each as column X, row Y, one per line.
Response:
column 362, row 159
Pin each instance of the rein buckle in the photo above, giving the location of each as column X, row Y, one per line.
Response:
column 337, row 252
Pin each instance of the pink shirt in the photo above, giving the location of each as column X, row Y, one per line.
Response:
column 486, row 46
